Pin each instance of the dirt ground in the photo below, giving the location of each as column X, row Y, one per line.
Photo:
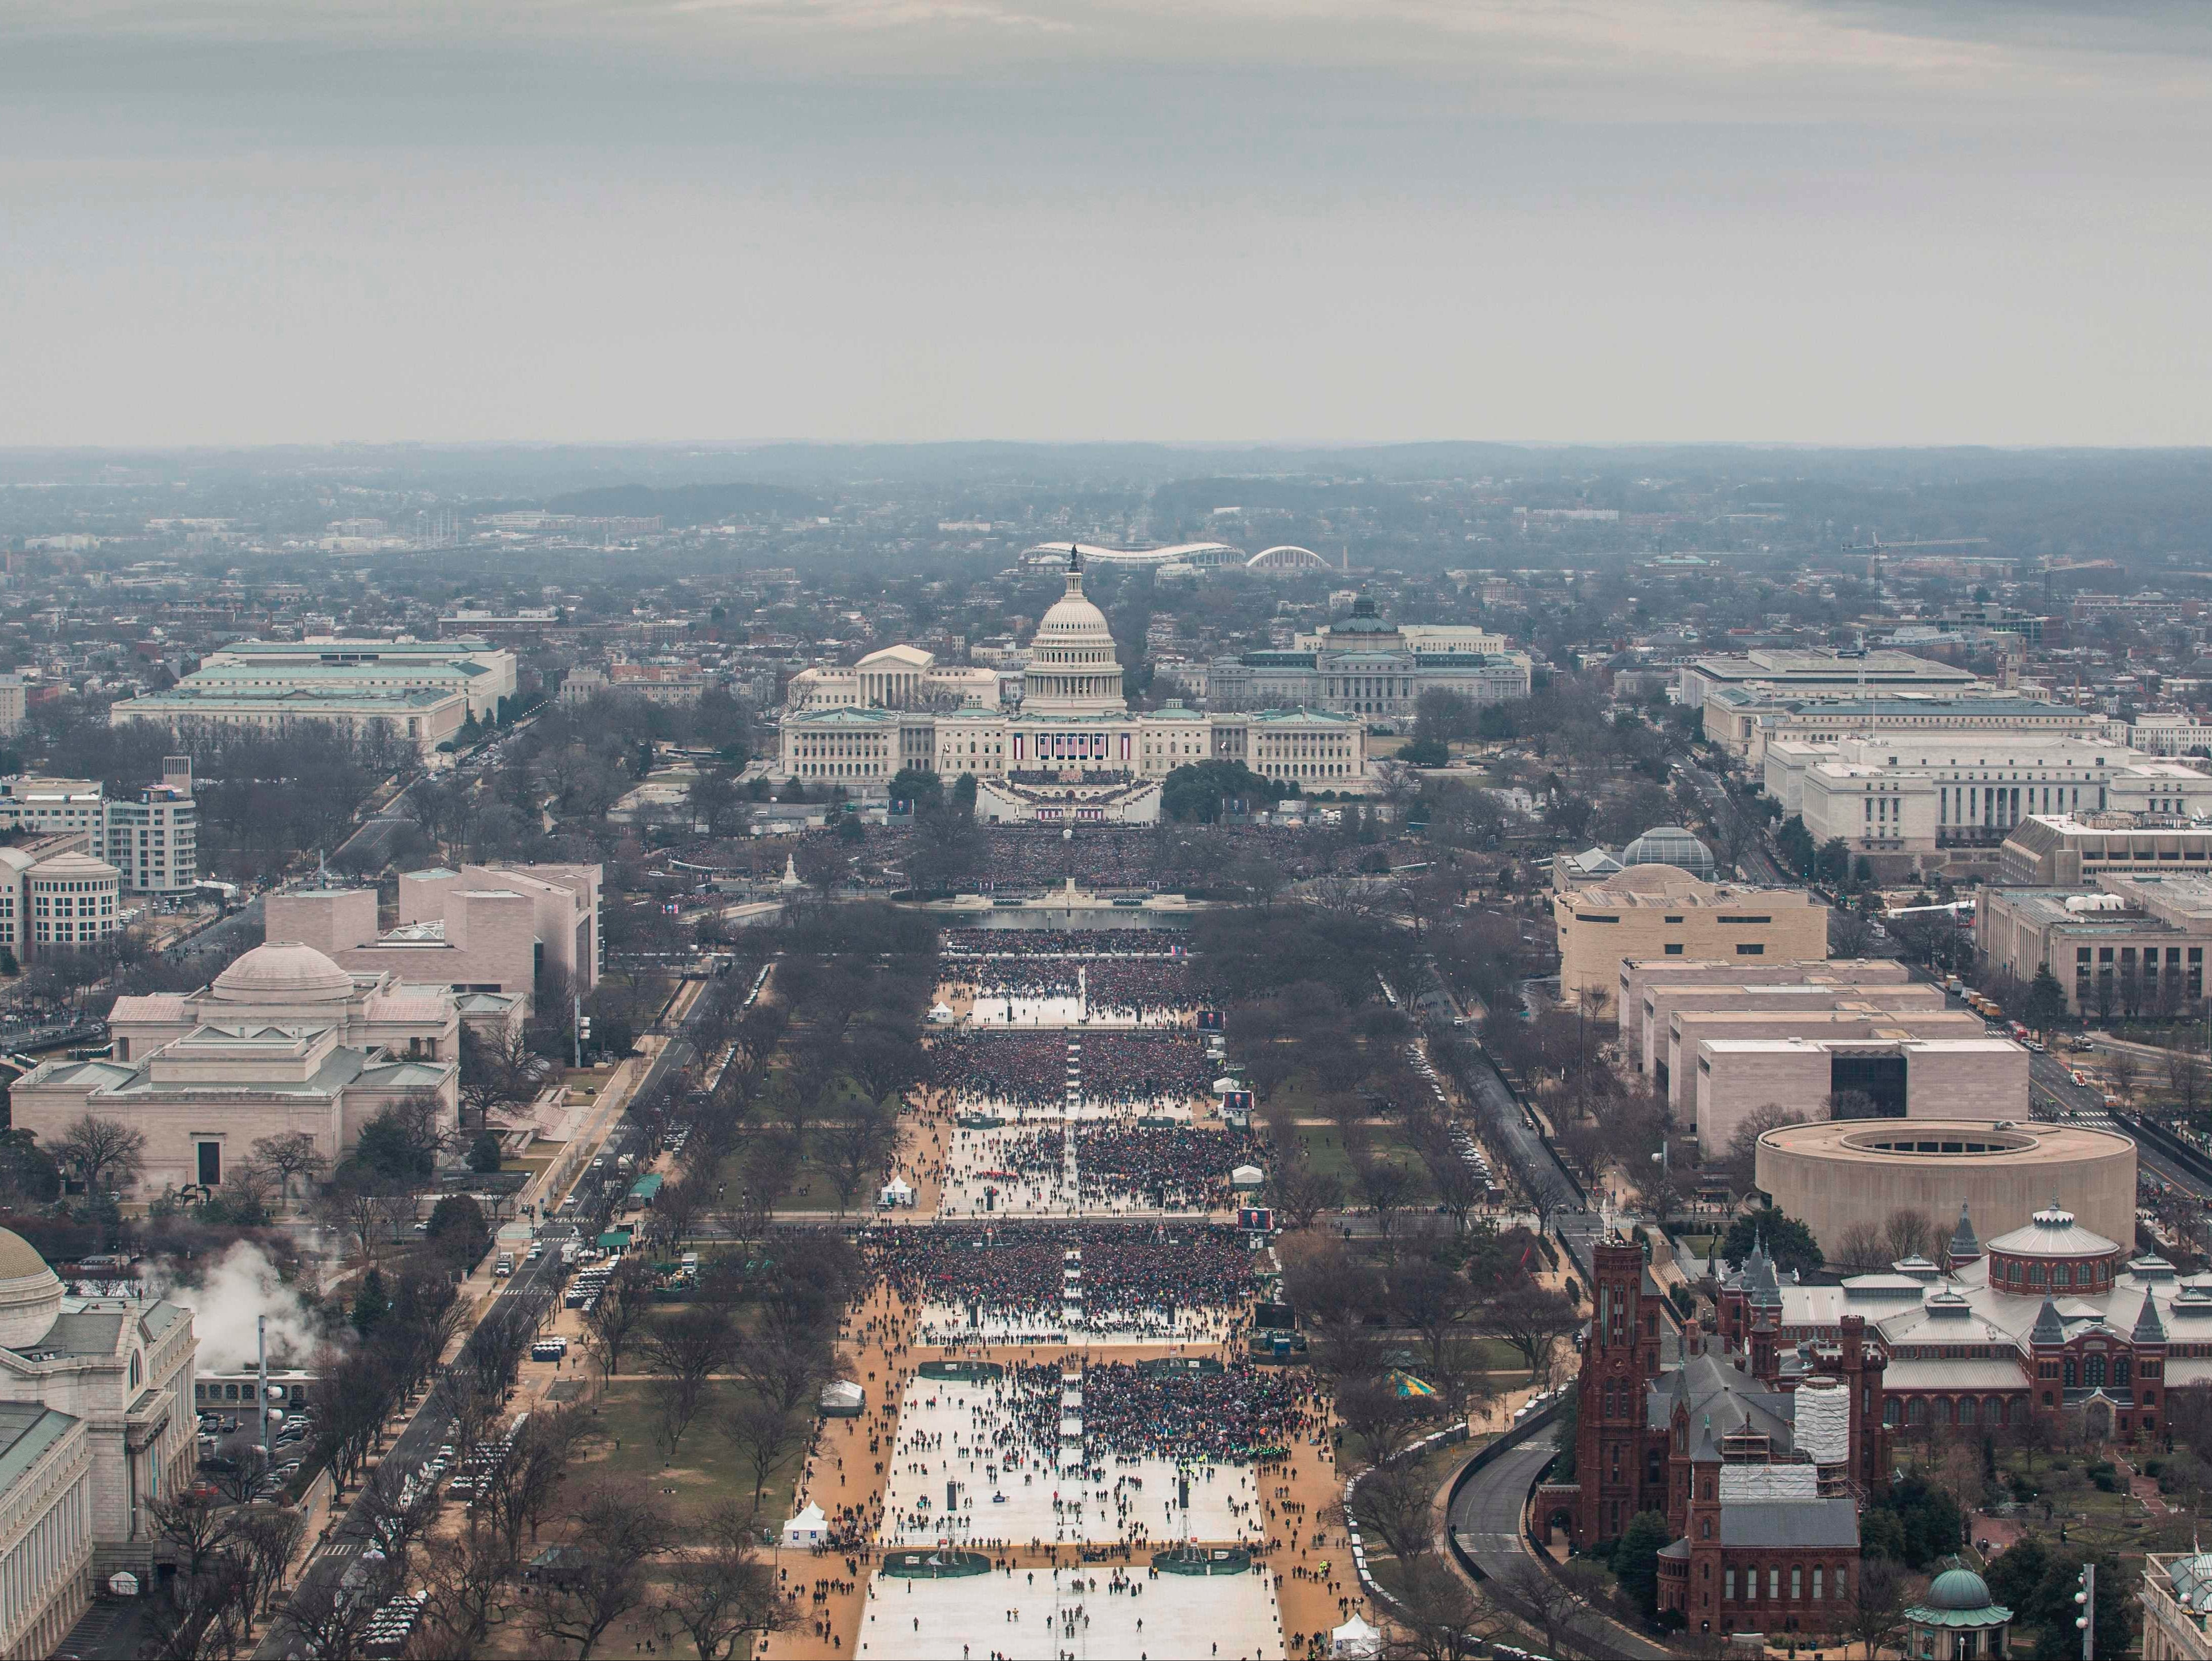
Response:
column 1315, row 1584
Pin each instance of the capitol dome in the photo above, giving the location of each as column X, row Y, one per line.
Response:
column 30, row 1292
column 1072, row 670
column 283, row 971
column 1670, row 845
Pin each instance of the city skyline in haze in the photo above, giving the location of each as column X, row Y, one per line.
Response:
column 1683, row 221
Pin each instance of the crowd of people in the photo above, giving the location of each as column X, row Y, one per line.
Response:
column 1021, row 1069
column 1014, row 1275
column 1150, row 859
column 1140, row 989
column 1131, row 989
column 1060, row 942
column 1169, row 1167
column 1141, row 1410
column 1129, row 1069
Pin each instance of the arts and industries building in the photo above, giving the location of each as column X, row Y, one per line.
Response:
column 2051, row 1320
column 1758, row 1455
column 2176, row 1606
column 423, row 691
column 284, row 1042
column 96, row 1423
column 1072, row 753
column 1925, row 795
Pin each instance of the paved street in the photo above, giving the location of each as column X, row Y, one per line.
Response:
column 1485, row 1520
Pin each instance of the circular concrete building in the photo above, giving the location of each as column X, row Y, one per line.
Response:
column 1834, row 1174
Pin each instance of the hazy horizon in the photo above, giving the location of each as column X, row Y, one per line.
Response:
column 1803, row 223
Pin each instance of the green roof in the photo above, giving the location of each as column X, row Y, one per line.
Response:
column 27, row 1433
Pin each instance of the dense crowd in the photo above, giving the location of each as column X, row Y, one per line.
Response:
column 1132, row 989
column 1172, row 1168
column 1133, row 1412
column 1139, row 857
column 1128, row 1069
column 1163, row 987
column 1132, row 1276
column 1060, row 942
column 1026, row 1070
column 1130, row 1412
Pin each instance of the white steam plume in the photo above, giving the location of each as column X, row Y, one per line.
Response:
column 229, row 1295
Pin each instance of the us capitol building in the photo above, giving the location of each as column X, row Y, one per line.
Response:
column 1072, row 752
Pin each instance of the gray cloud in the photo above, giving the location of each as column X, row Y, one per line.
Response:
column 1059, row 218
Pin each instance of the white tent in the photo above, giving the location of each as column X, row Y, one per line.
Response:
column 1247, row 1175
column 809, row 1528
column 1223, row 1086
column 897, row 1191
column 940, row 1013
column 1357, row 1638
column 843, row 1399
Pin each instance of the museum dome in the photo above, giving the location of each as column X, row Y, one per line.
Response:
column 30, row 1292
column 1670, row 845
column 283, row 971
column 1958, row 1589
column 2052, row 1232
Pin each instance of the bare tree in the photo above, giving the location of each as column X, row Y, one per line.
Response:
column 686, row 1347
column 1301, row 1192
column 1877, row 1606
column 765, row 1436
column 615, row 1319
column 786, row 1364
column 266, row 1537
column 601, row 1576
column 1438, row 1617
column 465, row 1584
column 857, row 1145
column 1397, row 1501
column 1532, row 1319
column 1554, row 1608
column 292, row 1157
column 1909, row 1233
column 723, row 1597
column 1860, row 1249
column 106, row 1154
column 523, row 1486
column 1375, row 1416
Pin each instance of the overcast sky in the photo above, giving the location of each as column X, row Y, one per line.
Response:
column 247, row 221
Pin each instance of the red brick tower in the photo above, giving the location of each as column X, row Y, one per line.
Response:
column 1619, row 1362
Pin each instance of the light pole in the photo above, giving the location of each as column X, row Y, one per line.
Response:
column 2086, row 1621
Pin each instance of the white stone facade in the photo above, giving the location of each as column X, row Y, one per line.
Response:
column 284, row 1042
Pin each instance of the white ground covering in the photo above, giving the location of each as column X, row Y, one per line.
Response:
column 998, row 1011
column 974, row 1153
column 977, row 1163
column 1003, row 1500
column 944, row 1324
column 1186, row 1618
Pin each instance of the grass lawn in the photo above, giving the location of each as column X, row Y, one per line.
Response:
column 1325, row 1152
column 705, row 1470
column 811, row 1190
